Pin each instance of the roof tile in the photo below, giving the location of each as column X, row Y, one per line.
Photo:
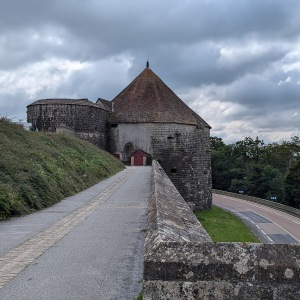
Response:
column 147, row 99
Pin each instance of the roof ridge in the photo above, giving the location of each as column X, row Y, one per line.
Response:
column 67, row 101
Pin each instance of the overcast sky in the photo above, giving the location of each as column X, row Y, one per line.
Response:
column 235, row 62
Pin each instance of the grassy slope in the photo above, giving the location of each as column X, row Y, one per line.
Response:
column 223, row 226
column 38, row 170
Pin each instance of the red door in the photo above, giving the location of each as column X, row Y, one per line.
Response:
column 117, row 155
column 138, row 159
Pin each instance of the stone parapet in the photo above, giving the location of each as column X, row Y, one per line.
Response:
column 169, row 217
column 181, row 261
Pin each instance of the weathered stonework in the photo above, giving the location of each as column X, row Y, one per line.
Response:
column 181, row 262
column 146, row 116
column 182, row 150
column 85, row 118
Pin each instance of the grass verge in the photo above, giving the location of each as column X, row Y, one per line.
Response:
column 223, row 226
column 139, row 297
column 38, row 170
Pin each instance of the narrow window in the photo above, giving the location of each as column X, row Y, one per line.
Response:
column 174, row 170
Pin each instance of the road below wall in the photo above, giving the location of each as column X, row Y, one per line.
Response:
column 270, row 225
column 88, row 246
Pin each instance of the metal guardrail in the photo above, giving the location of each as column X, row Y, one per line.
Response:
column 288, row 209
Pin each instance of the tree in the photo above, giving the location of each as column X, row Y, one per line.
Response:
column 262, row 181
column 248, row 149
column 217, row 143
column 257, row 169
column 292, row 185
column 221, row 164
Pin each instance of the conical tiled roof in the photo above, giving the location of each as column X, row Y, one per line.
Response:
column 147, row 99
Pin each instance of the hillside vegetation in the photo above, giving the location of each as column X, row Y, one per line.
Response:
column 38, row 170
column 251, row 167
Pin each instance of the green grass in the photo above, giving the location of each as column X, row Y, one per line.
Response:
column 223, row 226
column 139, row 297
column 38, row 170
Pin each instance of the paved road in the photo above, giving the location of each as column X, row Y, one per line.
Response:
column 271, row 225
column 89, row 246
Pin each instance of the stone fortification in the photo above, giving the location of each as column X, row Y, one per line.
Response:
column 182, row 150
column 147, row 116
column 181, row 261
column 86, row 119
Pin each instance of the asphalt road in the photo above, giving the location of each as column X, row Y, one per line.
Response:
column 270, row 225
column 89, row 246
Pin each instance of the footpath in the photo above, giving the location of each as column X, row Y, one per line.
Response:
column 88, row 246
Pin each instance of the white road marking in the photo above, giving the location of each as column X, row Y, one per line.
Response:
column 244, row 217
column 282, row 214
column 260, row 216
column 277, row 225
column 287, row 232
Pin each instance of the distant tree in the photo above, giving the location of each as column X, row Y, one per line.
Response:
column 262, row 181
column 281, row 156
column 292, row 185
column 217, row 143
column 257, row 169
column 248, row 149
column 221, row 164
column 295, row 140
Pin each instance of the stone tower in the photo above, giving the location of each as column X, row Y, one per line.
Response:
column 81, row 117
column 146, row 121
column 148, row 116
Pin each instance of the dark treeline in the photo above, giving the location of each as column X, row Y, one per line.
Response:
column 269, row 171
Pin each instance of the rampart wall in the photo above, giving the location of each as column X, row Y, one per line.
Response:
column 181, row 261
column 88, row 122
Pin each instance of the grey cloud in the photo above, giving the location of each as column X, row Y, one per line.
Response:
column 260, row 92
column 126, row 24
column 184, row 40
column 13, row 106
column 198, row 64
column 278, row 121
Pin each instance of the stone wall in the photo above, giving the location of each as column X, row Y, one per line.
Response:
column 127, row 138
column 181, row 261
column 182, row 150
column 88, row 122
